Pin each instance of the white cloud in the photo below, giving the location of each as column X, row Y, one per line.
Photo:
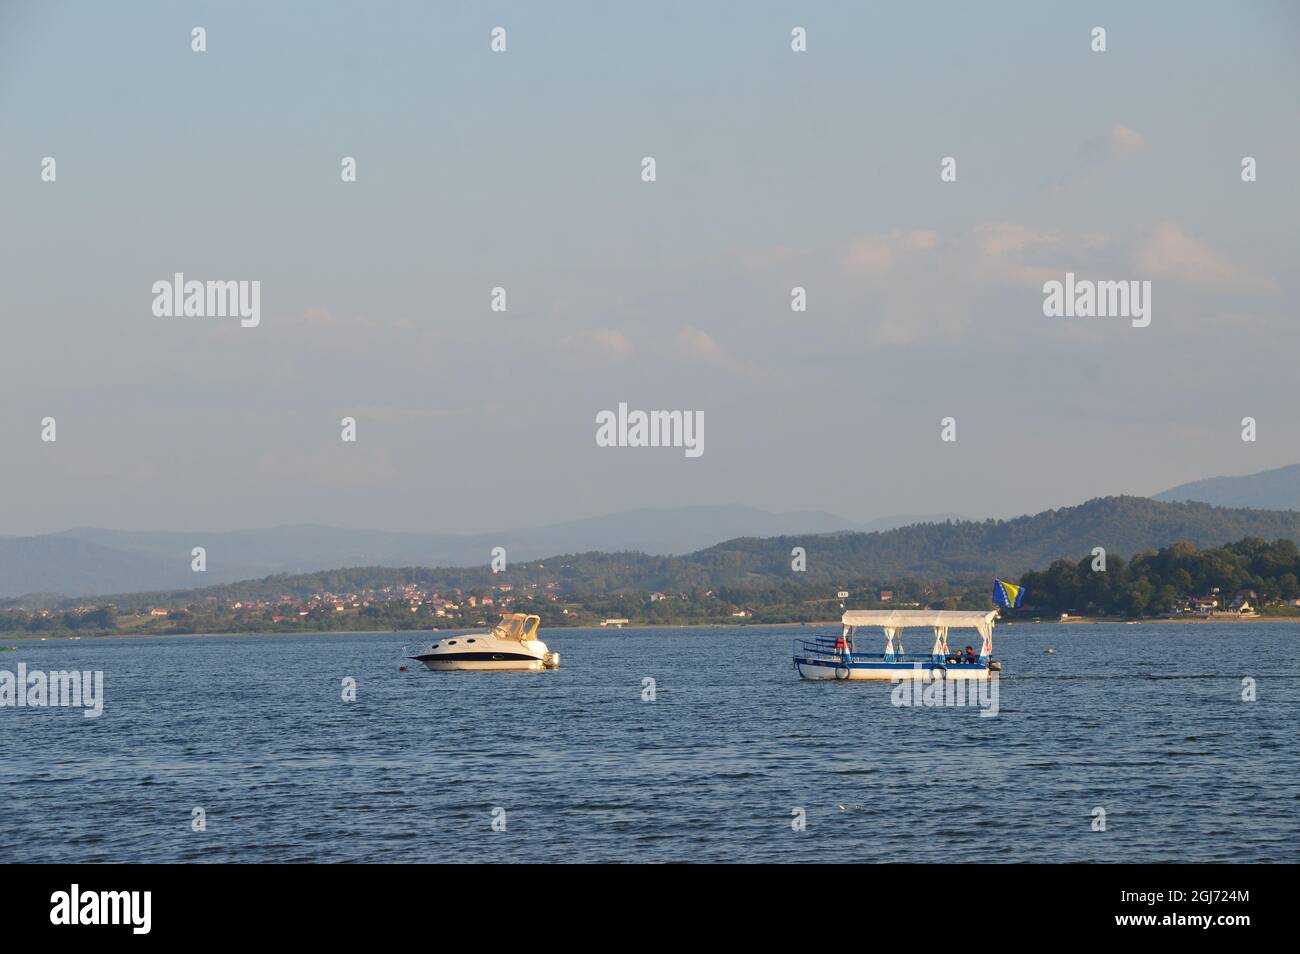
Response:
column 699, row 346
column 1125, row 142
column 878, row 254
column 605, row 343
column 1001, row 238
column 1168, row 251
column 613, row 343
column 909, row 286
column 695, row 343
column 1012, row 253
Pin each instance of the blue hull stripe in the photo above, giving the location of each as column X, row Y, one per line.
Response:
column 907, row 666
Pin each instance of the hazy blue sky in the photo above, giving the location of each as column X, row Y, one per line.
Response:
column 522, row 169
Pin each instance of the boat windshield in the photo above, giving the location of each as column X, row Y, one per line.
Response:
column 510, row 627
column 517, row 626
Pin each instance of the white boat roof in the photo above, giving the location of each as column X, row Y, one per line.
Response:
column 902, row 618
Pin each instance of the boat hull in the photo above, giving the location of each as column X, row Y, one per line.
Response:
column 481, row 652
column 454, row 664
column 828, row 668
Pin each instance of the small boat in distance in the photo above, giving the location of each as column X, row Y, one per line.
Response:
column 836, row 657
column 512, row 644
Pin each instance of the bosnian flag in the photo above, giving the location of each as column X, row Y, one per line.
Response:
column 1007, row 595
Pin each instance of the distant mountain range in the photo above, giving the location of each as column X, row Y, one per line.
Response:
column 949, row 551
column 1277, row 489
column 87, row 561
column 954, row 551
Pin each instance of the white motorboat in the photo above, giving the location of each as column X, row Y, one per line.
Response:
column 512, row 644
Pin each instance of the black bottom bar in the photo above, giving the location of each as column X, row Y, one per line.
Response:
column 211, row 903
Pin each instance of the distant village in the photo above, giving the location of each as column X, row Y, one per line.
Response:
column 408, row 606
column 417, row 607
column 1244, row 604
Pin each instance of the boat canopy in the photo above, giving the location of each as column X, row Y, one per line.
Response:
column 979, row 620
column 894, row 621
column 520, row 626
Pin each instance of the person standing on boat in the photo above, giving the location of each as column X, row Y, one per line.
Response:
column 842, row 647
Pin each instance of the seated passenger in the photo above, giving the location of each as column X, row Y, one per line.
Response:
column 970, row 656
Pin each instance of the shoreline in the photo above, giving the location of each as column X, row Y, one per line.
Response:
column 1161, row 620
column 6, row 638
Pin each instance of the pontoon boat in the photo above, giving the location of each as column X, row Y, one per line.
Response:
column 837, row 657
column 512, row 644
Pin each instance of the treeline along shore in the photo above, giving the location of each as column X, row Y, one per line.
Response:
column 1250, row 578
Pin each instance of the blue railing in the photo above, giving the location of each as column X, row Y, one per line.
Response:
column 824, row 647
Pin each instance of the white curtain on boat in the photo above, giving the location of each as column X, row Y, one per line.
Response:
column 940, row 641
column 985, row 629
column 890, row 633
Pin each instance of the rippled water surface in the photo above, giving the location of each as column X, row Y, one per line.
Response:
column 1146, row 722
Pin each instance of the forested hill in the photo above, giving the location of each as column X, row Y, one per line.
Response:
column 950, row 551
column 1126, row 525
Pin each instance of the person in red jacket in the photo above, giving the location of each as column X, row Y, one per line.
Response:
column 970, row 656
column 842, row 647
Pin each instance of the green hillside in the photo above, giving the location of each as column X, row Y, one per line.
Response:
column 941, row 551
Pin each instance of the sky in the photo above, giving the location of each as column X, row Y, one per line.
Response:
column 522, row 170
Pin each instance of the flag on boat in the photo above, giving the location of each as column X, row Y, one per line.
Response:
column 1007, row 595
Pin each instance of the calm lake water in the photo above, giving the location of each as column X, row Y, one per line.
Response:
column 1146, row 722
